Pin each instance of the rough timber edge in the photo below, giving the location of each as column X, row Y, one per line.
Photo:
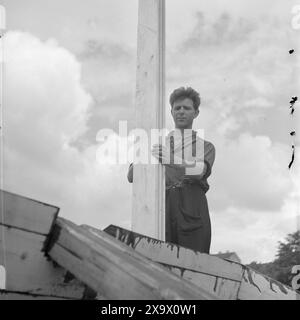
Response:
column 24, row 228
column 108, row 266
column 252, row 284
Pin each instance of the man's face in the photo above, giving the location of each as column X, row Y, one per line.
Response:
column 183, row 113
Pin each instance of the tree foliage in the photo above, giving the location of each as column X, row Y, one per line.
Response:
column 288, row 255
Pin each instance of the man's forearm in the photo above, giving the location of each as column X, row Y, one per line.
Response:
column 192, row 169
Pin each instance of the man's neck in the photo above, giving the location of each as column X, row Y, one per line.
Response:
column 182, row 129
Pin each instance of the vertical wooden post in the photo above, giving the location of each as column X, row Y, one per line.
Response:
column 2, row 239
column 148, row 216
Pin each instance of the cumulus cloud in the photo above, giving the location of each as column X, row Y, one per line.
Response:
column 254, row 199
column 258, row 232
column 258, row 102
column 112, row 51
column 46, row 109
column 232, row 68
column 223, row 30
column 108, row 73
column 43, row 84
column 253, row 239
column 256, row 175
column 236, row 54
column 239, row 62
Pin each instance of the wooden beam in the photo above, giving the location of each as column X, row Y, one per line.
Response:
column 226, row 279
column 114, row 270
column 24, row 227
column 28, row 270
column 217, row 276
column 256, row 286
column 2, row 277
column 26, row 214
column 224, row 289
column 148, row 180
column 11, row 295
column 175, row 255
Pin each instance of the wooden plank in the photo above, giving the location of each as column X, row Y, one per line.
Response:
column 109, row 266
column 7, row 295
column 217, row 276
column 256, row 286
column 2, row 277
column 229, row 280
column 225, row 289
column 170, row 254
column 148, row 180
column 29, row 271
column 26, row 214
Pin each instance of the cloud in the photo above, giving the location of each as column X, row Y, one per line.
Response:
column 252, row 239
column 244, row 112
column 256, row 175
column 257, row 232
column 108, row 73
column 231, row 67
column 223, row 30
column 43, row 84
column 254, row 199
column 112, row 51
column 235, row 53
column 47, row 109
column 258, row 102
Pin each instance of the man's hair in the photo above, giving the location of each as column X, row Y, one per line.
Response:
column 182, row 93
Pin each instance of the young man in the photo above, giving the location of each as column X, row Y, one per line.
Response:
column 188, row 160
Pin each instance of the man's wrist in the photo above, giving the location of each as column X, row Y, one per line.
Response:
column 183, row 164
column 189, row 163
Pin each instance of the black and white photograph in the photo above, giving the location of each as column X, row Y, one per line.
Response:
column 149, row 151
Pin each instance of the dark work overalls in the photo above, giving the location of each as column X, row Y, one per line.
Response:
column 187, row 213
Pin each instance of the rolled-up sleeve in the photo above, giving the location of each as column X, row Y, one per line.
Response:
column 203, row 165
column 209, row 158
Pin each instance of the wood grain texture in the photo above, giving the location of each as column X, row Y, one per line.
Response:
column 226, row 279
column 148, row 179
column 256, row 286
column 168, row 253
column 218, row 276
column 2, row 277
column 110, row 267
column 224, row 289
column 26, row 214
column 10, row 295
column 28, row 270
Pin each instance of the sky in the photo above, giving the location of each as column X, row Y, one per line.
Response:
column 69, row 71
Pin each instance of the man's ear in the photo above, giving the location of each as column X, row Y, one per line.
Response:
column 172, row 111
column 196, row 113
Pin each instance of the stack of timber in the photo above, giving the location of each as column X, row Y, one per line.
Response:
column 24, row 227
column 227, row 279
column 47, row 257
